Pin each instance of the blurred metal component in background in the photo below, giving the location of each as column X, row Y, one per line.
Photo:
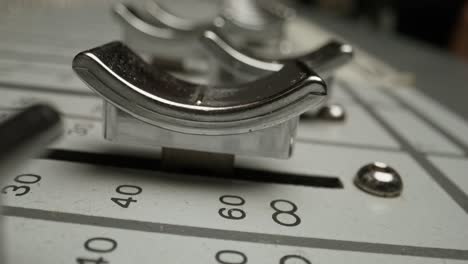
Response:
column 167, row 33
column 256, row 26
column 324, row 60
column 168, row 47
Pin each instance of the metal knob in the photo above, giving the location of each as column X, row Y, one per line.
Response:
column 379, row 179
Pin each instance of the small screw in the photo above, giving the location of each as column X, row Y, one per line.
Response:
column 331, row 112
column 379, row 179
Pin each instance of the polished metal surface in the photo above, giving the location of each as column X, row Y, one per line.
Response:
column 175, row 22
column 323, row 61
column 248, row 14
column 235, row 61
column 379, row 179
column 155, row 40
column 331, row 112
column 158, row 98
column 160, row 33
column 273, row 142
column 130, row 15
column 257, row 116
column 249, row 24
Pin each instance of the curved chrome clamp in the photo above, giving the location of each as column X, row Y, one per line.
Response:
column 145, row 105
column 239, row 66
column 323, row 60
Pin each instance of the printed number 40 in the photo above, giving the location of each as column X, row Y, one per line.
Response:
column 128, row 191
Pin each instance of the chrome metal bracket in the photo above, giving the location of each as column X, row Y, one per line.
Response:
column 237, row 66
column 148, row 106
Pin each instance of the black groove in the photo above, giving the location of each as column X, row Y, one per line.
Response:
column 242, row 174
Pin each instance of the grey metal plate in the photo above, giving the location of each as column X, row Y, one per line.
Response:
column 176, row 219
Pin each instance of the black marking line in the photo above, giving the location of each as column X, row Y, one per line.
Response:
column 58, row 90
column 438, row 176
column 460, row 144
column 242, row 174
column 231, row 235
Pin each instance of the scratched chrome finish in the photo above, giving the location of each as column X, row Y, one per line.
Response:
column 158, row 98
column 323, row 61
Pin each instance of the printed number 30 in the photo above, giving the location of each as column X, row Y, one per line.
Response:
column 21, row 190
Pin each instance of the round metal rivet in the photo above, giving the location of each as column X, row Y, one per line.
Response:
column 379, row 179
column 332, row 112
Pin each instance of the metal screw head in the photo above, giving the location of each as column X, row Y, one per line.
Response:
column 332, row 112
column 379, row 179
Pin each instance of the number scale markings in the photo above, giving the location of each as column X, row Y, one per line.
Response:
column 67, row 242
column 76, row 189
